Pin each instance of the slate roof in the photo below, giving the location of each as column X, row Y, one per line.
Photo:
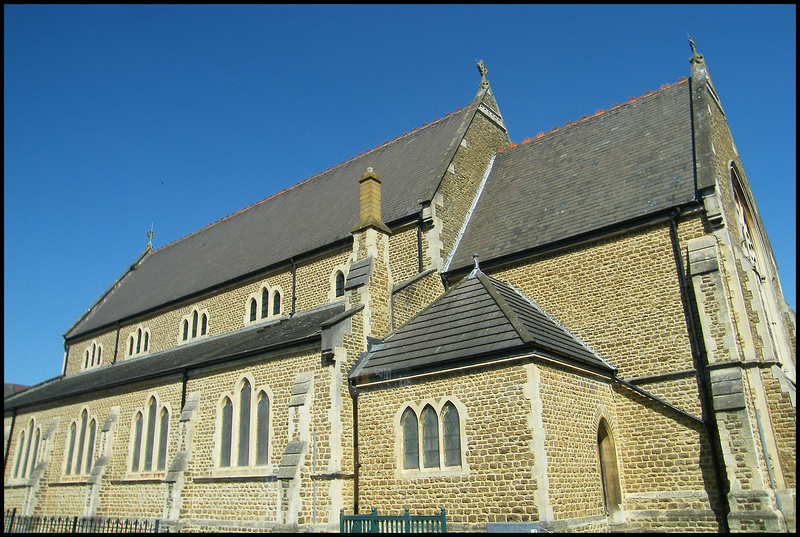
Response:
column 298, row 329
column 600, row 171
column 287, row 225
column 479, row 318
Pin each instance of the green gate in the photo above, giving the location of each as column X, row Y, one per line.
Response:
column 374, row 523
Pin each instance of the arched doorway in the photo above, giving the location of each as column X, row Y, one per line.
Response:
column 609, row 473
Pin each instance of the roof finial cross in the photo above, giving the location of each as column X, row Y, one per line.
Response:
column 150, row 235
column 483, row 70
column 696, row 58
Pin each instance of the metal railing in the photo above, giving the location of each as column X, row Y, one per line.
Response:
column 374, row 523
column 77, row 524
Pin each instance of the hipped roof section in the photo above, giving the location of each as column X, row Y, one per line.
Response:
column 286, row 225
column 479, row 319
column 618, row 165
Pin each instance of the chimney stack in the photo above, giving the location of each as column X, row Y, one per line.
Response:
column 370, row 202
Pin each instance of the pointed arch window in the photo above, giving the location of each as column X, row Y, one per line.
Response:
column 137, row 442
column 264, row 303
column 276, row 303
column 27, row 452
column 162, row 440
column 244, row 428
column 410, row 439
column 150, row 437
column 71, row 451
column 80, row 452
column 151, row 433
column 146, row 340
column 204, row 325
column 185, row 330
column 430, row 438
column 339, row 284
column 226, row 433
column 245, row 397
column 262, row 431
column 35, row 452
column 20, row 449
column 452, row 435
column 81, row 442
column 436, row 437
column 194, row 324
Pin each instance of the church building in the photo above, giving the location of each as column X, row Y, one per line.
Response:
column 584, row 331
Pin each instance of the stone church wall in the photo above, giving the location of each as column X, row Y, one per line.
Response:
column 530, row 446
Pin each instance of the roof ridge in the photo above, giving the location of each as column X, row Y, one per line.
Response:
column 598, row 112
column 308, row 179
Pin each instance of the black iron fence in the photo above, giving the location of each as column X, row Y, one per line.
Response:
column 12, row 523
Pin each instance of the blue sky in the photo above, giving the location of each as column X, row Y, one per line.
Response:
column 117, row 118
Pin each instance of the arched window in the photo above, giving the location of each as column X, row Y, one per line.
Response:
column 137, row 442
column 253, row 306
column 94, row 350
column 35, row 452
column 130, row 350
column 99, row 352
column 609, row 473
column 71, row 450
column 194, row 324
column 81, row 442
column 339, row 283
column 139, row 341
column 276, row 303
column 262, row 431
column 452, row 435
column 244, row 424
column 185, row 330
column 410, row 439
column 86, row 361
column 146, row 340
column 151, row 432
column 27, row 451
column 162, row 440
column 430, row 438
column 20, row 448
column 226, row 433
column 264, row 303
column 90, row 447
column 204, row 325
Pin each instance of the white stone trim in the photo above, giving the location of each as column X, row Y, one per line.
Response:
column 442, row 470
column 251, row 469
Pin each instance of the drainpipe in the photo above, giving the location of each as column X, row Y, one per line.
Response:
column 116, row 346
column 709, row 420
column 183, row 388
column 10, row 436
column 356, row 464
column 419, row 244
column 294, row 284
